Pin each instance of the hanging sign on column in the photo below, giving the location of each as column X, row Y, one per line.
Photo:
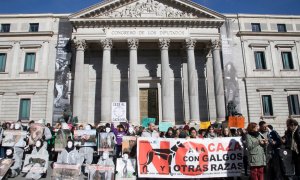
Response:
column 118, row 112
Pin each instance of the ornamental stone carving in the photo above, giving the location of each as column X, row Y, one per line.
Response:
column 141, row 9
column 80, row 45
column 190, row 43
column 164, row 43
column 216, row 44
column 133, row 43
column 106, row 43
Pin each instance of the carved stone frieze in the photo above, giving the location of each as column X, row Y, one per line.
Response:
column 144, row 8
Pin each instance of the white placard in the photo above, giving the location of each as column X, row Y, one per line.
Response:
column 118, row 112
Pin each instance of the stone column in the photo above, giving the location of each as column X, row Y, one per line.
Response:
column 133, row 82
column 80, row 46
column 167, row 89
column 106, row 81
column 218, row 80
column 193, row 81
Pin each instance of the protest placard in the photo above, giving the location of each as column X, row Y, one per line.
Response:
column 236, row 122
column 129, row 145
column 62, row 136
column 146, row 121
column 35, row 163
column 101, row 172
column 85, row 137
column 164, row 126
column 189, row 158
column 5, row 164
column 118, row 112
column 204, row 124
column 14, row 138
column 125, row 169
column 66, row 171
column 36, row 132
column 106, row 142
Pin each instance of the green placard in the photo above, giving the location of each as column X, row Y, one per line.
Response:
column 164, row 126
column 146, row 121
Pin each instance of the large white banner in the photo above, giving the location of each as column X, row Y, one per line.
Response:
column 118, row 112
column 189, row 158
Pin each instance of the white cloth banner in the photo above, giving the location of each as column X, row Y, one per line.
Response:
column 189, row 158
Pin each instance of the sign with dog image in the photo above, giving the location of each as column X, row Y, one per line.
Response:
column 189, row 158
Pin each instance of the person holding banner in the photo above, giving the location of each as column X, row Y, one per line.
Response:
column 256, row 148
column 119, row 133
column 15, row 169
column 69, row 155
column 87, row 151
column 40, row 148
column 150, row 131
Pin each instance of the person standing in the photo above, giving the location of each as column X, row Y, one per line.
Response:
column 150, row 131
column 293, row 143
column 256, row 148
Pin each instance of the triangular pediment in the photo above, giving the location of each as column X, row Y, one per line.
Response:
column 161, row 9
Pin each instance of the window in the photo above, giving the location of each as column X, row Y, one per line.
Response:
column 33, row 27
column 267, row 105
column 29, row 64
column 281, row 27
column 260, row 61
column 5, row 27
column 287, row 60
column 2, row 62
column 24, row 111
column 293, row 101
column 255, row 27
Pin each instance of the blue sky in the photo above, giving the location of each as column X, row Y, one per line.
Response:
column 288, row 7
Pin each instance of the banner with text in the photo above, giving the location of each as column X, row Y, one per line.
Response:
column 189, row 158
column 118, row 112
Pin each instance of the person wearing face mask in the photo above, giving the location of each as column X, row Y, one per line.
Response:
column 125, row 167
column 69, row 155
column 19, row 146
column 110, row 136
column 105, row 160
column 15, row 169
column 131, row 131
column 40, row 149
column 86, row 151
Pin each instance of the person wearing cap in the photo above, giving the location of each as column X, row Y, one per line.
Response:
column 150, row 131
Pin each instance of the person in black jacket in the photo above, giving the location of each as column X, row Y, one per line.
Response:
column 293, row 142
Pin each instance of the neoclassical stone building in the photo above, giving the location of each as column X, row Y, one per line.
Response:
column 173, row 60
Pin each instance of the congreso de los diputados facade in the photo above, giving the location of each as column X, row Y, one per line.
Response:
column 173, row 60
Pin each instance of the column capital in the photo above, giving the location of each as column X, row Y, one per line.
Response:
column 190, row 43
column 80, row 45
column 164, row 43
column 106, row 43
column 216, row 44
column 133, row 43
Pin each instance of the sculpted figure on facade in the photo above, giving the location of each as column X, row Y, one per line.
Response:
column 149, row 7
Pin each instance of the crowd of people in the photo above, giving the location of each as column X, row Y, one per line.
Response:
column 267, row 154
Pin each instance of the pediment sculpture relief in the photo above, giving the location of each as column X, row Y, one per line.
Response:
column 148, row 8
